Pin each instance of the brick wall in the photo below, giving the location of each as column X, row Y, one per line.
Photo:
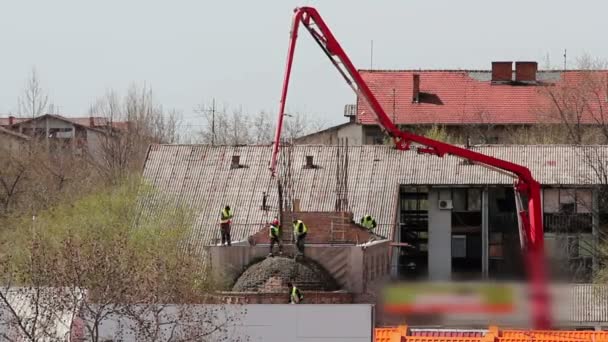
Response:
column 310, row 297
column 323, row 228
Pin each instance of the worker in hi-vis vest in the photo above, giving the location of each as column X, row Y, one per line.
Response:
column 299, row 232
column 225, row 225
column 295, row 296
column 368, row 222
column 274, row 233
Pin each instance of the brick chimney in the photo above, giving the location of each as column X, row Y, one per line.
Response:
column 415, row 88
column 11, row 120
column 502, row 72
column 525, row 71
column 235, row 162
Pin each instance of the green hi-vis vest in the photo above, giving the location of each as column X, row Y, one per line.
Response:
column 368, row 222
column 299, row 228
column 294, row 295
column 226, row 215
column 274, row 231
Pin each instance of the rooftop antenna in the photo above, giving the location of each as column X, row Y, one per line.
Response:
column 371, row 55
column 565, row 59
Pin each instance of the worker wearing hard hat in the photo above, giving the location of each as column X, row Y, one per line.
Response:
column 226, row 219
column 299, row 232
column 368, row 222
column 274, row 233
column 295, row 296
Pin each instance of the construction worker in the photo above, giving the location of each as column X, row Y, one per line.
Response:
column 295, row 296
column 368, row 222
column 275, row 235
column 225, row 225
column 299, row 232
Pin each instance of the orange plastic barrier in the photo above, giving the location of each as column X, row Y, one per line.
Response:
column 494, row 334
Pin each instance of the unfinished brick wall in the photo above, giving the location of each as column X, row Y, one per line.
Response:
column 310, row 297
column 323, row 228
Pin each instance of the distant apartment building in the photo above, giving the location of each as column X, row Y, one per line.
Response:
column 481, row 106
column 78, row 134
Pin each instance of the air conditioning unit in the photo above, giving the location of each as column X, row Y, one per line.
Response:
column 445, row 204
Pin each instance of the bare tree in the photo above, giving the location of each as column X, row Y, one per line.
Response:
column 134, row 121
column 225, row 126
column 578, row 103
column 34, row 100
column 263, row 128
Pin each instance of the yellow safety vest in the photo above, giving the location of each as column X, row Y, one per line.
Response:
column 296, row 231
column 274, row 231
column 368, row 222
column 226, row 216
column 294, row 295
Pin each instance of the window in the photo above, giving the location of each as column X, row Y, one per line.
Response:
column 551, row 248
column 567, row 201
column 474, row 200
column 551, row 200
column 585, row 245
column 466, row 199
column 459, row 199
column 572, row 247
column 584, row 199
column 495, row 248
column 459, row 246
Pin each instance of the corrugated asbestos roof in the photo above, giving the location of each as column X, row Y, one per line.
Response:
column 52, row 308
column 200, row 178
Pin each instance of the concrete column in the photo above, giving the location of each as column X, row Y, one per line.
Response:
column 395, row 252
column 73, row 137
column 440, row 239
column 485, row 234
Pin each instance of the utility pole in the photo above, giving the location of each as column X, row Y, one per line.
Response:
column 213, row 122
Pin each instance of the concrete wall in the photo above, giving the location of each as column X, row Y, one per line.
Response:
column 352, row 131
column 352, row 266
column 268, row 323
column 440, row 238
column 310, row 297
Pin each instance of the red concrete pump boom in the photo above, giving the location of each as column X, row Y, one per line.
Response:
column 531, row 223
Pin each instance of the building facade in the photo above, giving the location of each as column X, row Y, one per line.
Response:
column 472, row 235
column 482, row 106
column 83, row 136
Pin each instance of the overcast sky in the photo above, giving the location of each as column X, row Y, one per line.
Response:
column 234, row 51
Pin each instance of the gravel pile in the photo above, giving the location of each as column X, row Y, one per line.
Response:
column 273, row 274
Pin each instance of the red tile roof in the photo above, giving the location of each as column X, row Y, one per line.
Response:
column 454, row 97
column 5, row 121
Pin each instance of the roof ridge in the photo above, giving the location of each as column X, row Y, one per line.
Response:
column 476, row 70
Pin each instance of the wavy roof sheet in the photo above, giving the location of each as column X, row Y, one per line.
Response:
column 200, row 177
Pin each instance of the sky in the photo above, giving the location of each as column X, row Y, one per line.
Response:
column 193, row 51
